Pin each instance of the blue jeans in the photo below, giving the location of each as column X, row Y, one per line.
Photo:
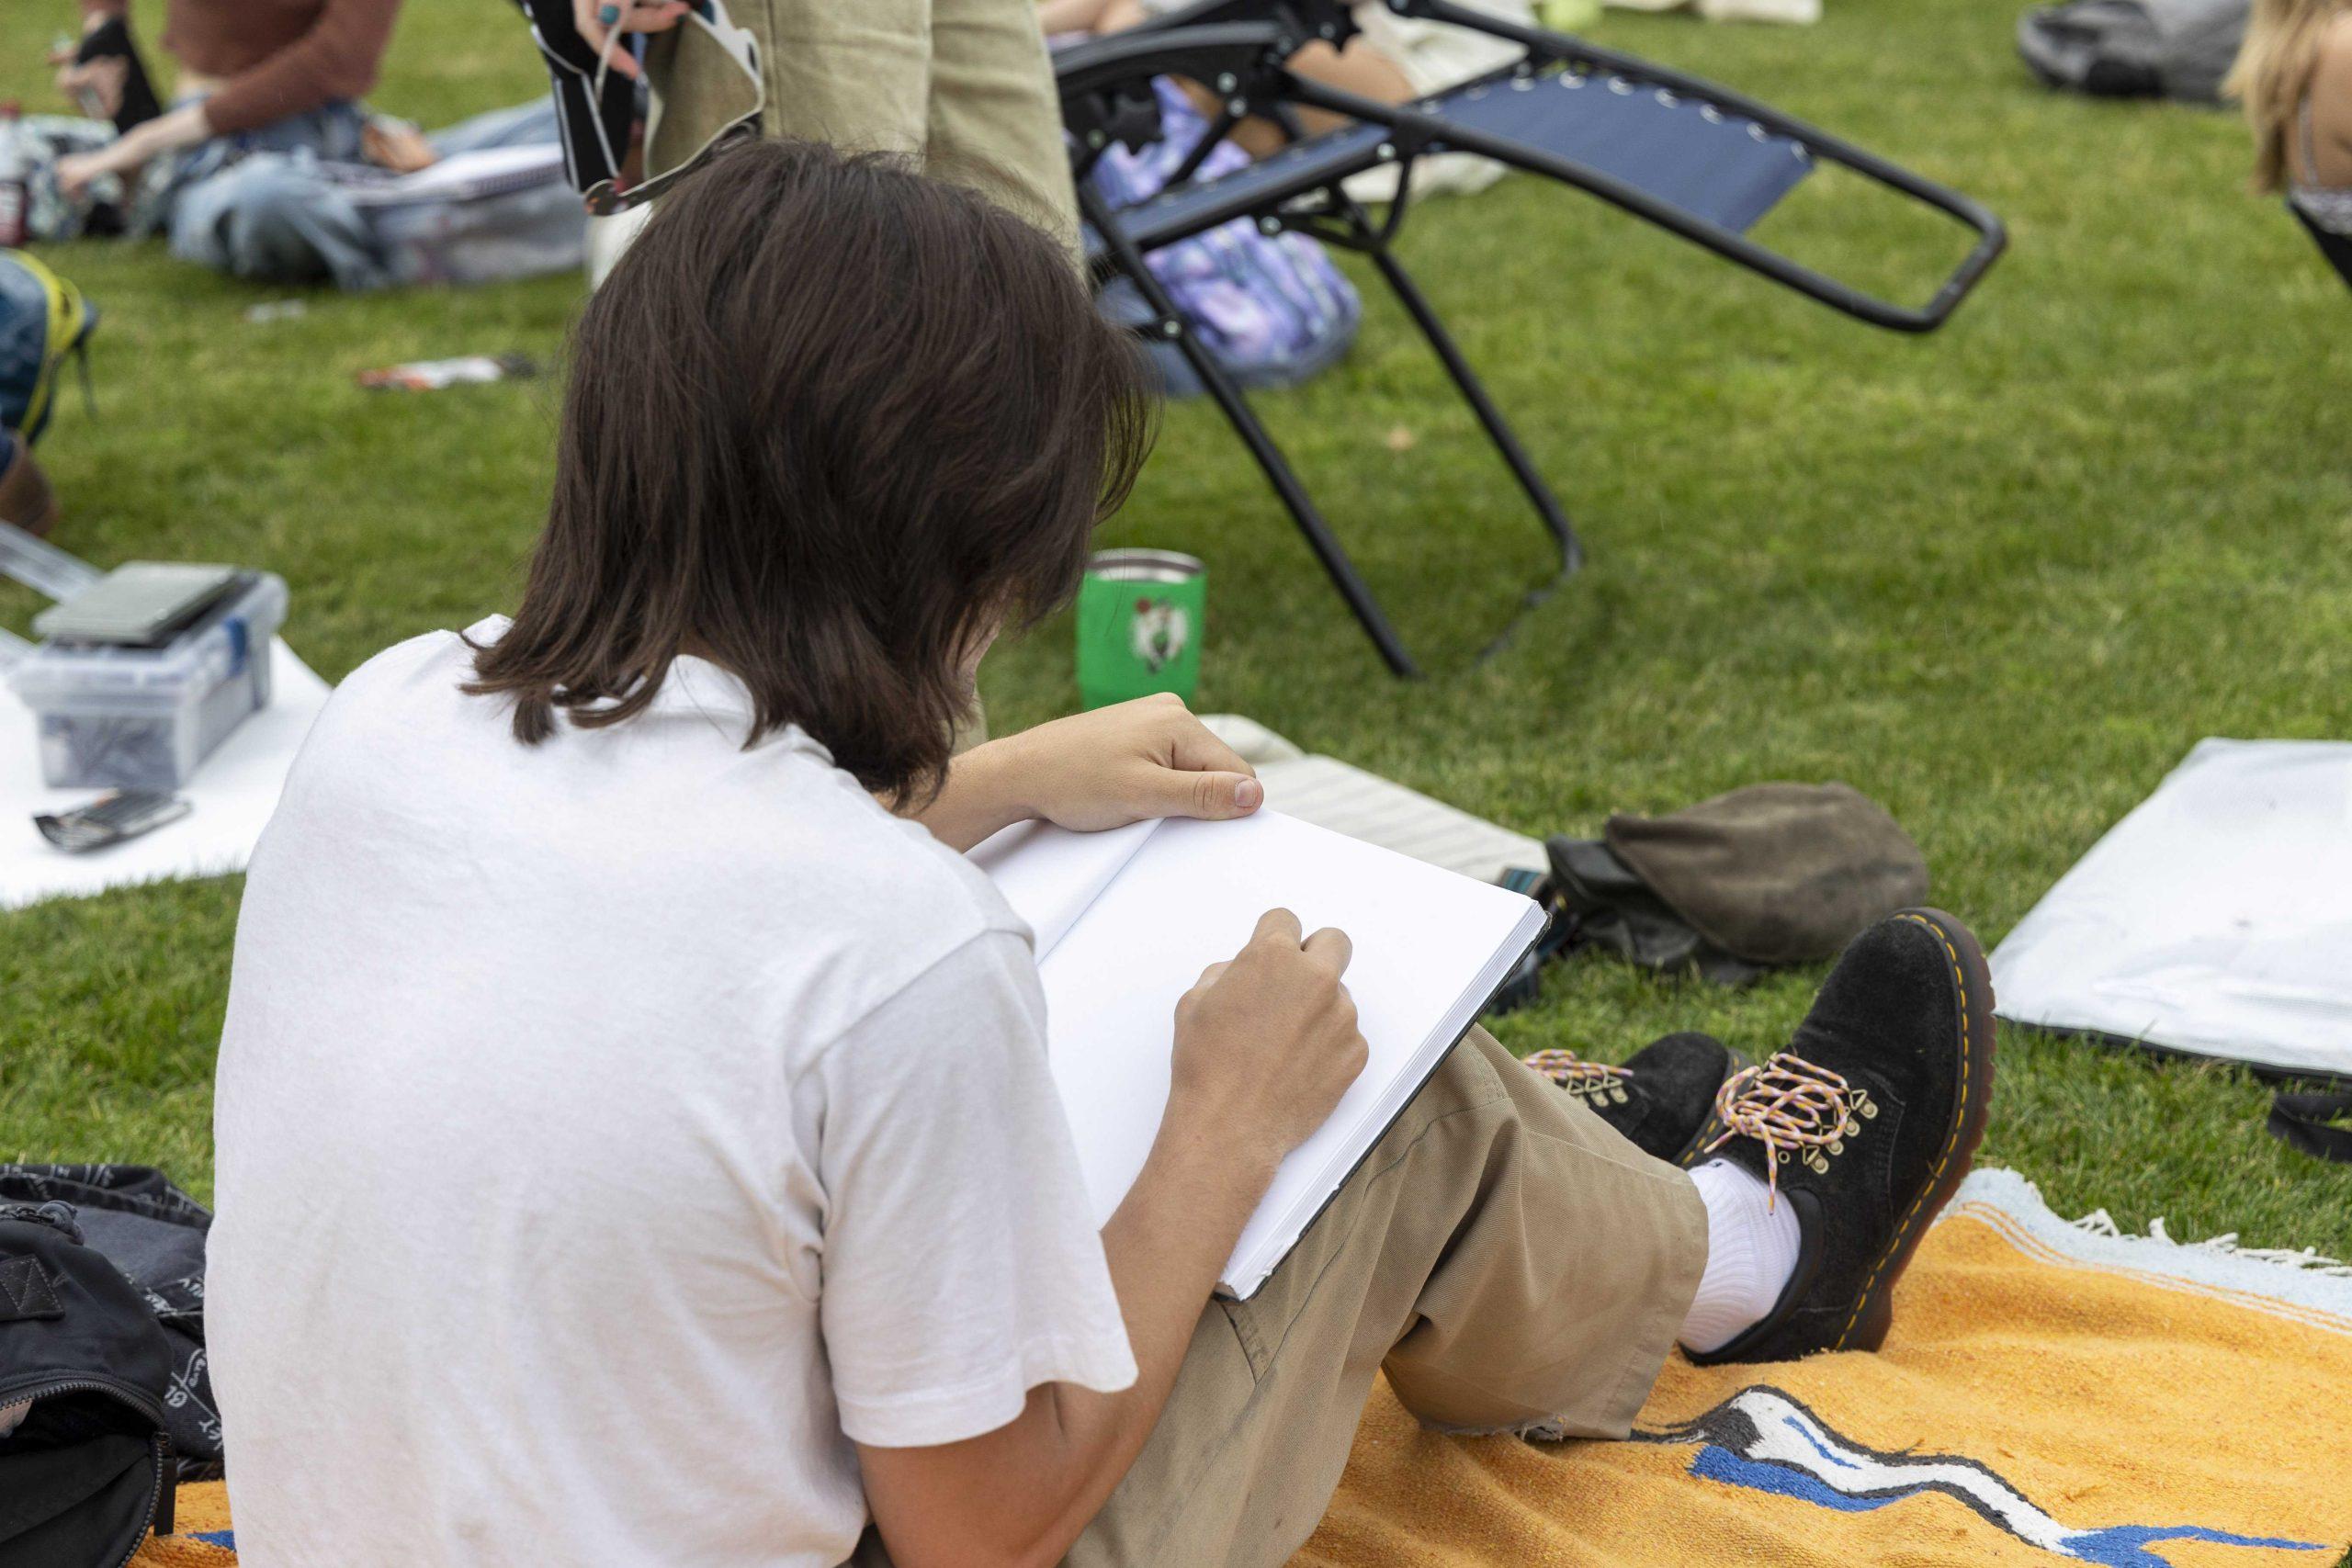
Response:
column 261, row 205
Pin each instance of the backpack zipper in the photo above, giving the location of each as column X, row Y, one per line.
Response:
column 162, row 1446
column 139, row 1400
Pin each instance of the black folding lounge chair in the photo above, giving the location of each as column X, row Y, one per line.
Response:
column 1691, row 157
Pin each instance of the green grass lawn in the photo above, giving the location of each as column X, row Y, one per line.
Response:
column 2000, row 578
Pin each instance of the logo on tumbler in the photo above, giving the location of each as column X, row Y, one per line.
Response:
column 1158, row 632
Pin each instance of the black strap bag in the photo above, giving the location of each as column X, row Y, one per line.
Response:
column 85, row 1463
column 2319, row 1124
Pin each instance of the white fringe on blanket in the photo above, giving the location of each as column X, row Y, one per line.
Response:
column 2098, row 1222
column 2302, row 1284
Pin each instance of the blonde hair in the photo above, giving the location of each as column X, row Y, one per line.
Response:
column 2273, row 74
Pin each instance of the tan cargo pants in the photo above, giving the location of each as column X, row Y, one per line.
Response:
column 1503, row 1253
column 963, row 86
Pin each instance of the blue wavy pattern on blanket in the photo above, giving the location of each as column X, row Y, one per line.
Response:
column 1272, row 309
column 1766, row 1439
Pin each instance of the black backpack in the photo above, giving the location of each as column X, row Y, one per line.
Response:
column 85, row 1462
column 153, row 1235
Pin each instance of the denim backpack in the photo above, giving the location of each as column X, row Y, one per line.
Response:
column 42, row 319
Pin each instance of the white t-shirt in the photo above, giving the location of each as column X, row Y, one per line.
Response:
column 611, row 1129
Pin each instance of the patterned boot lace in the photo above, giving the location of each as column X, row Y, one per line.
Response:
column 1586, row 1080
column 1790, row 1106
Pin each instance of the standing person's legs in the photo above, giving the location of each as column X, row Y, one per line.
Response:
column 996, row 116
column 964, row 86
column 1508, row 1257
column 856, row 75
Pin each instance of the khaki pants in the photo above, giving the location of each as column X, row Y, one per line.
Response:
column 1505, row 1255
column 962, row 87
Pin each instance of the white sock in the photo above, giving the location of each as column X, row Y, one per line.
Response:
column 1751, row 1252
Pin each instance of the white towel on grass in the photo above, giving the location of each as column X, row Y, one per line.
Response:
column 2215, row 919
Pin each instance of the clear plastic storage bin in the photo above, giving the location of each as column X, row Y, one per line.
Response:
column 143, row 718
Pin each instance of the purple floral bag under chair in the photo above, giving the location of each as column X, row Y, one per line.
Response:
column 1274, row 310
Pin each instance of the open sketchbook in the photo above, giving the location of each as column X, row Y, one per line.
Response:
column 1126, row 921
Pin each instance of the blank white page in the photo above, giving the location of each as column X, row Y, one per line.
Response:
column 1050, row 876
column 1429, row 947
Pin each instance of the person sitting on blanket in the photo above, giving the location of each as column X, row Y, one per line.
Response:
column 267, row 100
column 636, row 1142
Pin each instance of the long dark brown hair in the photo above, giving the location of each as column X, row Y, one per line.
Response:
column 828, row 424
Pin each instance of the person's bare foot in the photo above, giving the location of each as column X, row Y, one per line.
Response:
column 395, row 144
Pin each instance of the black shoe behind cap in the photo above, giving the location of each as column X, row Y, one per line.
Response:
column 1660, row 1099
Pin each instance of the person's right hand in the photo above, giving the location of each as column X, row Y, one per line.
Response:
column 1267, row 1043
column 598, row 20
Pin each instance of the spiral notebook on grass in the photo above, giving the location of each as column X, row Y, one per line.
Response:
column 1126, row 921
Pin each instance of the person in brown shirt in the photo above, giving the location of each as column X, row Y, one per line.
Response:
column 245, row 64
column 265, row 109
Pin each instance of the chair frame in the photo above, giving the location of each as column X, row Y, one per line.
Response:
column 1240, row 48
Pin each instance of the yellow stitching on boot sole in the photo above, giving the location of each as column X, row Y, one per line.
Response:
column 1959, row 1119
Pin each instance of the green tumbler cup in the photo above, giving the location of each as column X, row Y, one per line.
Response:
column 1139, row 619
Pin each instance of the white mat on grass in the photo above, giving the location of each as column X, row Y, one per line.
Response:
column 233, row 792
column 2215, row 919
column 1346, row 799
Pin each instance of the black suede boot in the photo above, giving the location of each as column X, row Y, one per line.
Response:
column 1864, row 1126
column 1660, row 1099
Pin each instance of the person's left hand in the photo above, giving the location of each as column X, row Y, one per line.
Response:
column 1121, row 764
column 1093, row 770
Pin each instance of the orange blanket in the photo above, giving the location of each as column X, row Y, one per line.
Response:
column 2050, row 1394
